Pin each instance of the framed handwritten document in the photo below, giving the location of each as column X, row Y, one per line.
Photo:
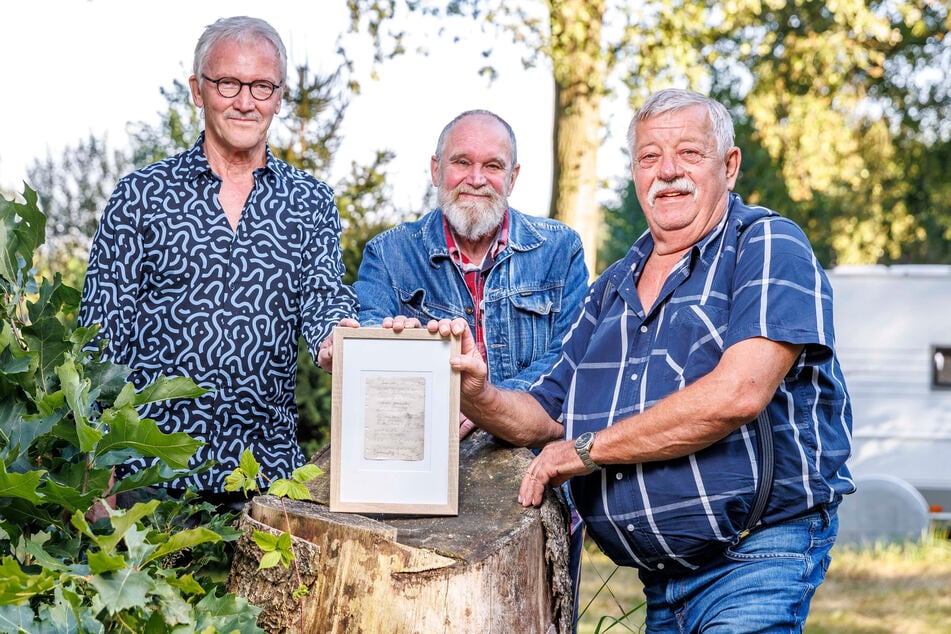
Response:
column 394, row 429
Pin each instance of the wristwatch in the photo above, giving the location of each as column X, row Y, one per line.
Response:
column 583, row 445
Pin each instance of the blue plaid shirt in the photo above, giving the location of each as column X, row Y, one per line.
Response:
column 754, row 275
column 179, row 293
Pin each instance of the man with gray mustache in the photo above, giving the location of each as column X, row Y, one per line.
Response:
column 697, row 410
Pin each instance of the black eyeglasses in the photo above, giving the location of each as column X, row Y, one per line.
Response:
column 228, row 87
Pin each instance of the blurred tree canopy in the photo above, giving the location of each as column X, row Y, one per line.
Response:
column 842, row 111
column 838, row 102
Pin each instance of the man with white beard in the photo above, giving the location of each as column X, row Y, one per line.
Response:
column 518, row 280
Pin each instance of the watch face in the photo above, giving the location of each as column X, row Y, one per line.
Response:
column 583, row 439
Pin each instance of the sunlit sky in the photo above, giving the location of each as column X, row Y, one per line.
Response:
column 75, row 67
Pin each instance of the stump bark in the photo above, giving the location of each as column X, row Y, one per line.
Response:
column 496, row 567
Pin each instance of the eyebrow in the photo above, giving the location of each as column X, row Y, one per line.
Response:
column 495, row 159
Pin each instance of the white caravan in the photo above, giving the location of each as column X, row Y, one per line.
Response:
column 893, row 337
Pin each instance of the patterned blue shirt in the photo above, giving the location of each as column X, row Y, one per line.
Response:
column 754, row 275
column 179, row 293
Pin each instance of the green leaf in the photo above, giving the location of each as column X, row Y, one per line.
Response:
column 107, row 380
column 244, row 478
column 155, row 474
column 270, row 559
column 76, row 390
column 227, row 614
column 43, row 558
column 20, row 485
column 186, row 584
column 121, row 520
column 17, row 619
column 127, row 431
column 306, row 472
column 184, row 539
column 47, row 339
column 53, row 297
column 100, row 562
column 123, row 590
column 22, row 230
column 289, row 489
column 265, row 541
column 69, row 497
column 164, row 389
column 17, row 586
column 248, row 464
column 19, row 432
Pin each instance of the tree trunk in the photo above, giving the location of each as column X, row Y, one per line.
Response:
column 495, row 567
column 579, row 74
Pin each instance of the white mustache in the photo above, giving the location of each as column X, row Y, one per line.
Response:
column 485, row 190
column 682, row 185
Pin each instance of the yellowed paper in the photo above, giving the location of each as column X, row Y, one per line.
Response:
column 395, row 420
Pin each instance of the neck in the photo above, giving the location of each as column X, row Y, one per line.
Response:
column 475, row 250
column 230, row 165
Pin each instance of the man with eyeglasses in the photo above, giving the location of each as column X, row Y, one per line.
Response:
column 212, row 263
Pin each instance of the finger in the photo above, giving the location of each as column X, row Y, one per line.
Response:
column 532, row 490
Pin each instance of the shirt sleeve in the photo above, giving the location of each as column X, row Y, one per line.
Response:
column 111, row 288
column 780, row 291
column 326, row 299
column 552, row 387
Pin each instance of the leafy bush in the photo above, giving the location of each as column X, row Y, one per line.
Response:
column 67, row 417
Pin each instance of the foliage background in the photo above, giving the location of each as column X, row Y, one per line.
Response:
column 842, row 110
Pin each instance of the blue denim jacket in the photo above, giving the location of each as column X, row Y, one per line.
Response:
column 531, row 294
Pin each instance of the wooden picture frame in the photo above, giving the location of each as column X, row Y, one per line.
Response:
column 394, row 433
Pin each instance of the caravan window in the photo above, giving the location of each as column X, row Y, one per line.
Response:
column 941, row 368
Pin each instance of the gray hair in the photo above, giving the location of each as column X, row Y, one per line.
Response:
column 240, row 29
column 673, row 99
column 441, row 143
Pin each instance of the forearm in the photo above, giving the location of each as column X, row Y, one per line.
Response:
column 703, row 413
column 513, row 416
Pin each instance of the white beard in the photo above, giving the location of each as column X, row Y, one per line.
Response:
column 472, row 219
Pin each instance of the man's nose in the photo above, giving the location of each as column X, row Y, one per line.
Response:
column 475, row 176
column 243, row 101
column 669, row 167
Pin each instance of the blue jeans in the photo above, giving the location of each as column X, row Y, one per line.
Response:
column 762, row 584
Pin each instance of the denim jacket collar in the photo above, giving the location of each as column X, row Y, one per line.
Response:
column 522, row 237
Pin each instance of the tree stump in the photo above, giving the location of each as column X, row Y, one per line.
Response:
column 496, row 567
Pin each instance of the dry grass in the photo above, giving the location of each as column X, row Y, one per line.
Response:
column 895, row 589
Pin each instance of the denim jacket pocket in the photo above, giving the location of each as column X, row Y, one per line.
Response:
column 531, row 323
column 415, row 303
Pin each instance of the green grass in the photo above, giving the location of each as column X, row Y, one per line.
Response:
column 885, row 589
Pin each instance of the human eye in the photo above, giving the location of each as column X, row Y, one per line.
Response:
column 648, row 159
column 262, row 89
column 229, row 84
column 691, row 155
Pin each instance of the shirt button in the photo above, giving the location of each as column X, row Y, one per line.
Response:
column 643, row 328
column 630, row 528
column 634, row 377
column 468, row 310
column 618, row 476
column 660, row 566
